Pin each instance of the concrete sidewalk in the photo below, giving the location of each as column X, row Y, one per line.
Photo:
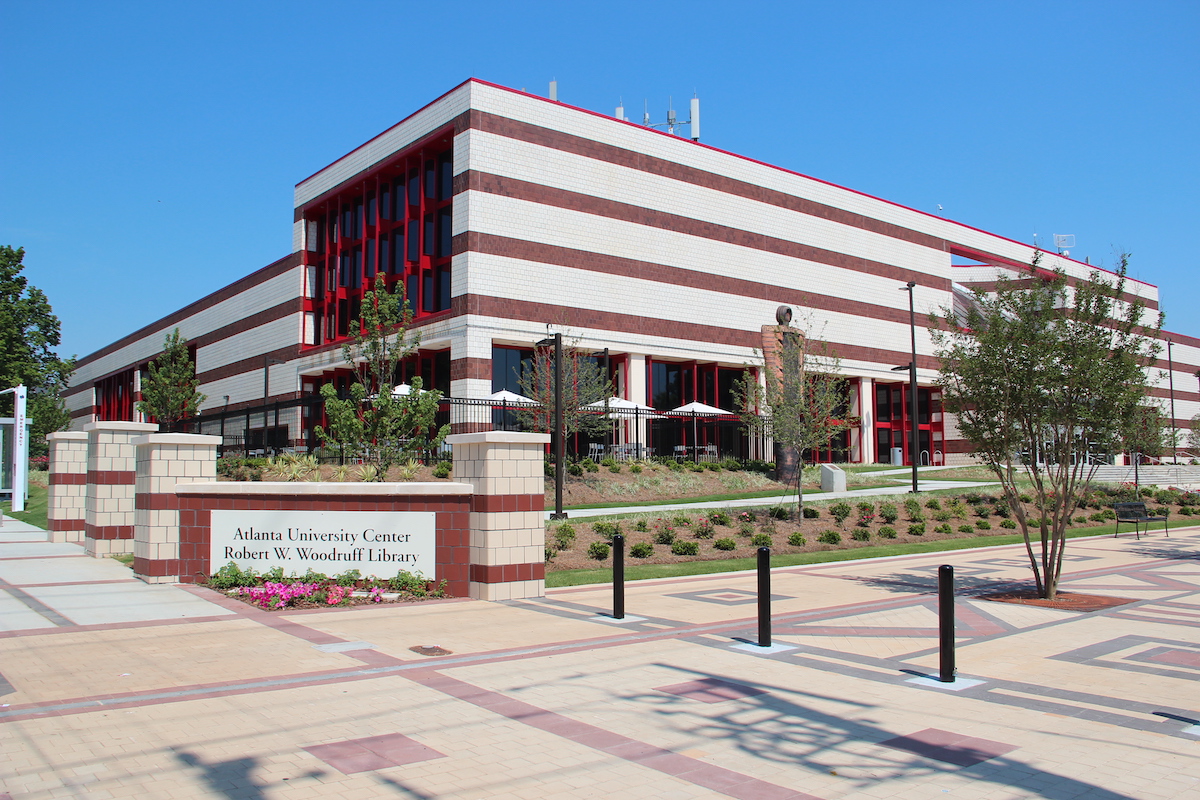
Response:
column 553, row 699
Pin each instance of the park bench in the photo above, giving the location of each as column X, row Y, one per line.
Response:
column 1136, row 513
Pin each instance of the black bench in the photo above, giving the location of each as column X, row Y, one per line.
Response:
column 1136, row 513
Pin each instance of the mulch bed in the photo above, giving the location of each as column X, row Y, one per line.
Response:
column 1063, row 601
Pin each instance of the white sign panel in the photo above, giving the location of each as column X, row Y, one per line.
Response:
column 377, row 544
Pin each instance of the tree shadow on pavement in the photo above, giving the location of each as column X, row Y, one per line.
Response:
column 231, row 779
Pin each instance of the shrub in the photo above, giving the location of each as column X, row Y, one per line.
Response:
column 761, row 540
column 1002, row 510
column 636, row 469
column 966, row 528
column 712, row 466
column 684, row 547
column 917, row 529
column 983, row 525
column 913, row 506
column 1185, row 511
column 718, row 517
column 442, row 470
column 933, row 505
column 797, row 539
column 941, row 516
column 957, row 508
column 591, row 467
column 348, row 578
column 1024, row 498
column 1146, row 491
column 642, row 550
column 983, row 511
column 549, row 553
column 641, row 526
column 1008, row 523
column 811, row 512
column 1079, row 521
column 974, row 498
column 830, row 537
column 779, row 512
column 839, row 511
column 598, row 551
column 1108, row 513
column 887, row 532
column 747, row 516
column 888, row 513
column 725, row 544
column 704, row 530
column 405, row 581
column 865, row 508
column 608, row 461
column 615, row 469
column 664, row 535
column 564, row 536
column 231, row 576
column 745, row 529
column 606, row 529
column 1189, row 499
column 682, row 520
column 860, row 535
column 574, row 469
column 548, row 469
column 865, row 520
column 768, row 525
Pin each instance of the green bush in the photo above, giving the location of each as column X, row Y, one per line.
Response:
column 598, row 551
column 719, row 517
column 574, row 469
column 1185, row 511
column 443, row 469
column 888, row 513
column 641, row 526
column 840, row 511
column 1008, row 523
column 779, row 512
column 917, row 529
column 983, row 525
column 615, row 469
column 1024, row 498
column 1077, row 521
column 725, row 544
column 860, row 535
column 231, row 576
column 1002, row 510
column 636, row 469
column 761, row 540
column 745, row 529
column 704, row 530
column 942, row 516
column 957, row 508
column 406, row 582
column 966, row 528
column 887, row 532
column 683, row 547
column 864, row 508
column 1160, row 511
column 682, row 520
column 913, row 507
column 983, row 511
column 944, row 528
column 608, row 461
column 348, row 578
column 642, row 550
column 811, row 512
column 549, row 553
column 564, row 536
column 606, row 530
column 797, row 539
column 830, row 537
column 592, row 467
column 664, row 535
column 933, row 505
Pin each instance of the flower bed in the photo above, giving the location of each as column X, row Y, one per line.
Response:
column 274, row 592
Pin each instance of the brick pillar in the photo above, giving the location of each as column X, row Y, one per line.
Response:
column 508, row 534
column 165, row 460
column 108, row 521
column 68, row 485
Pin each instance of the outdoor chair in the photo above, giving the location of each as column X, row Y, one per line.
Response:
column 1136, row 513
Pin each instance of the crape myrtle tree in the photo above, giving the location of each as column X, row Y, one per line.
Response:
column 584, row 382
column 1047, row 371
column 375, row 423
column 29, row 331
column 170, row 388
column 800, row 405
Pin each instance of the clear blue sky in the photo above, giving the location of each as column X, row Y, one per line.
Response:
column 149, row 150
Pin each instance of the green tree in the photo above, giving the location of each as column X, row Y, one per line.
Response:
column 1055, row 371
column 29, row 332
column 584, row 382
column 170, row 388
column 800, row 405
column 375, row 422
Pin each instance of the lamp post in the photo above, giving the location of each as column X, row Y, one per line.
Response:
column 914, row 440
column 1171, row 384
column 559, row 433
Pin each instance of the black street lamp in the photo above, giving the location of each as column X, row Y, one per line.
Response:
column 914, row 439
column 559, row 432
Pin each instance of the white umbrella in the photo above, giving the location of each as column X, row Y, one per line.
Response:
column 696, row 409
column 620, row 407
column 507, row 397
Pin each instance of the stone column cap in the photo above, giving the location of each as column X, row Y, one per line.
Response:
column 498, row 437
column 129, row 427
column 66, row 436
column 196, row 439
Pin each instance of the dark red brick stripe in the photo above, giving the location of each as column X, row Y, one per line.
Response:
column 68, row 479
column 611, row 209
column 507, row 502
column 156, row 567
column 156, row 501
column 67, row 524
column 250, row 364
column 108, row 531
column 463, row 368
column 111, row 477
column 505, row 573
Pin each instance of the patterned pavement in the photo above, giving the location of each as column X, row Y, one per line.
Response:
column 109, row 693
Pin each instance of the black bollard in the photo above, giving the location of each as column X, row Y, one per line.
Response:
column 764, row 597
column 618, row 577
column 946, row 623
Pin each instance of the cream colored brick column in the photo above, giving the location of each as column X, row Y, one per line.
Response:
column 108, row 518
column 68, row 485
column 508, row 534
column 165, row 460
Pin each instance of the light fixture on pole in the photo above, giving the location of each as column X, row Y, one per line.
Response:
column 914, row 440
column 559, row 428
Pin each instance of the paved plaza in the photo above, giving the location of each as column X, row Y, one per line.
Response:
column 114, row 689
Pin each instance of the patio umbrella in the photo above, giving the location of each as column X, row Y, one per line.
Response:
column 699, row 409
column 506, row 397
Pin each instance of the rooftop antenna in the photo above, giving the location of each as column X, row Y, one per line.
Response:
column 673, row 121
column 554, row 90
column 1063, row 241
column 646, row 113
column 621, row 111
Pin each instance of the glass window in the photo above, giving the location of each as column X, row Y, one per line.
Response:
column 385, row 202
column 369, row 261
column 431, row 179
column 414, row 188
column 370, row 209
column 358, row 220
column 667, row 382
column 385, row 261
column 443, row 282
column 347, row 222
column 356, row 269
column 344, row 270
column 414, row 240
column 413, row 291
column 397, row 264
column 508, row 364
column 445, row 226
column 428, row 297
column 430, row 236
column 883, row 411
column 445, row 176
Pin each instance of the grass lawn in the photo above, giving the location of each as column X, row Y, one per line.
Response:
column 35, row 506
column 641, row 572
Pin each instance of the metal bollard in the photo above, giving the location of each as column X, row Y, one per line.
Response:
column 764, row 597
column 946, row 623
column 618, row 577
